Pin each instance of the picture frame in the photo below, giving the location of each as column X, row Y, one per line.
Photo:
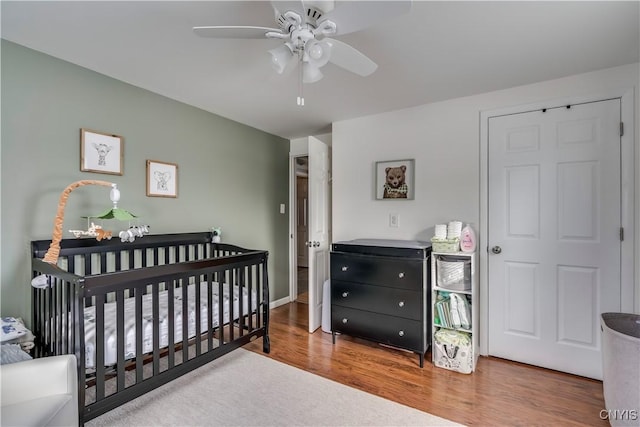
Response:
column 101, row 152
column 394, row 180
column 162, row 179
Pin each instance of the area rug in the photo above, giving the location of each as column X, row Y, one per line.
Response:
column 243, row 388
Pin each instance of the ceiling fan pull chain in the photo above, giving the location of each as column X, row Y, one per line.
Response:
column 300, row 82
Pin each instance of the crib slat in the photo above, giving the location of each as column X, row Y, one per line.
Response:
column 143, row 254
column 99, row 347
column 250, row 291
column 138, row 322
column 103, row 262
column 118, row 260
column 232, row 281
column 156, row 328
column 210, row 310
column 59, row 290
column 184, row 283
column 87, row 264
column 260, row 298
column 66, row 308
column 171, row 324
column 241, row 302
column 120, row 338
column 198, row 308
column 221, row 279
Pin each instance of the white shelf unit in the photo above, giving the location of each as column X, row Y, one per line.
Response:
column 468, row 288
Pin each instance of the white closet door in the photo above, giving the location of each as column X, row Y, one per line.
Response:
column 554, row 234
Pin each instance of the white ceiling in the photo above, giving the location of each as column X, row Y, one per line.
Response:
column 440, row 50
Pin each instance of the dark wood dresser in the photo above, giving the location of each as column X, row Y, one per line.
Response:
column 380, row 291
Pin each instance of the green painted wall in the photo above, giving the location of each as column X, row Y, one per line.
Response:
column 229, row 175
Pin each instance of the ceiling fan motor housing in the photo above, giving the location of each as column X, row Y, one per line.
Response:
column 313, row 14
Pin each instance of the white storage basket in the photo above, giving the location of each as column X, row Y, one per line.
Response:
column 454, row 273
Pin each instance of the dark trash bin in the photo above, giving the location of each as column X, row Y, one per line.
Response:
column 621, row 368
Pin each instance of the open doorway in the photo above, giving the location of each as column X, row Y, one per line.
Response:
column 301, row 229
column 309, row 158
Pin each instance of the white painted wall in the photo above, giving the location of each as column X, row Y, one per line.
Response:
column 444, row 140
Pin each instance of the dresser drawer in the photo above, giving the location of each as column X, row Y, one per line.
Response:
column 392, row 301
column 382, row 271
column 381, row 328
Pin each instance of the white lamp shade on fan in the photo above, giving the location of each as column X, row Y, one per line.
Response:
column 319, row 52
column 310, row 73
column 280, row 57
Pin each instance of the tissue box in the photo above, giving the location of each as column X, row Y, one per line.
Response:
column 452, row 350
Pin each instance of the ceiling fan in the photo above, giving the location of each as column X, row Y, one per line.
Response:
column 306, row 28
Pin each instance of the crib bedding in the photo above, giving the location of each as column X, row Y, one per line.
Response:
column 110, row 334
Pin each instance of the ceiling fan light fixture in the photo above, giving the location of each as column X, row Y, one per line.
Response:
column 318, row 52
column 280, row 57
column 310, row 73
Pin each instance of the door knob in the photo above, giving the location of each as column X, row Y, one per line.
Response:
column 496, row 249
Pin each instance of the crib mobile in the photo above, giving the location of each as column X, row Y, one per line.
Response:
column 96, row 231
column 93, row 230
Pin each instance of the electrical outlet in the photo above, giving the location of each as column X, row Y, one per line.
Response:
column 394, row 220
column 282, row 208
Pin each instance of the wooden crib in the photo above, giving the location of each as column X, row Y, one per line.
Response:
column 140, row 314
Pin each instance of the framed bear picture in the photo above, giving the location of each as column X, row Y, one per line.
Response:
column 395, row 180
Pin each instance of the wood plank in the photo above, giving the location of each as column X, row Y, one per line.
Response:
column 499, row 392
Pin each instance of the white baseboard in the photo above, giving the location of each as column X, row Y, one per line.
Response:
column 278, row 303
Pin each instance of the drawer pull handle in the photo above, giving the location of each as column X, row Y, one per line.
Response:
column 401, row 333
column 401, row 304
column 345, row 268
column 345, row 320
column 345, row 294
column 401, row 275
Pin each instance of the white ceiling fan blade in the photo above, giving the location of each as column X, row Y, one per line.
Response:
column 351, row 16
column 350, row 58
column 234, row 32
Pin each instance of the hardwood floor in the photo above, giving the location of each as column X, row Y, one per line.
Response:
column 498, row 393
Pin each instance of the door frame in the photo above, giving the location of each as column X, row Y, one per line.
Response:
column 629, row 299
column 293, row 235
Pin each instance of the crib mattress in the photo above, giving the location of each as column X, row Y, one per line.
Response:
column 110, row 333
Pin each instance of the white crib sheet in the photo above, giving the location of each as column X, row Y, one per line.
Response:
column 110, row 351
